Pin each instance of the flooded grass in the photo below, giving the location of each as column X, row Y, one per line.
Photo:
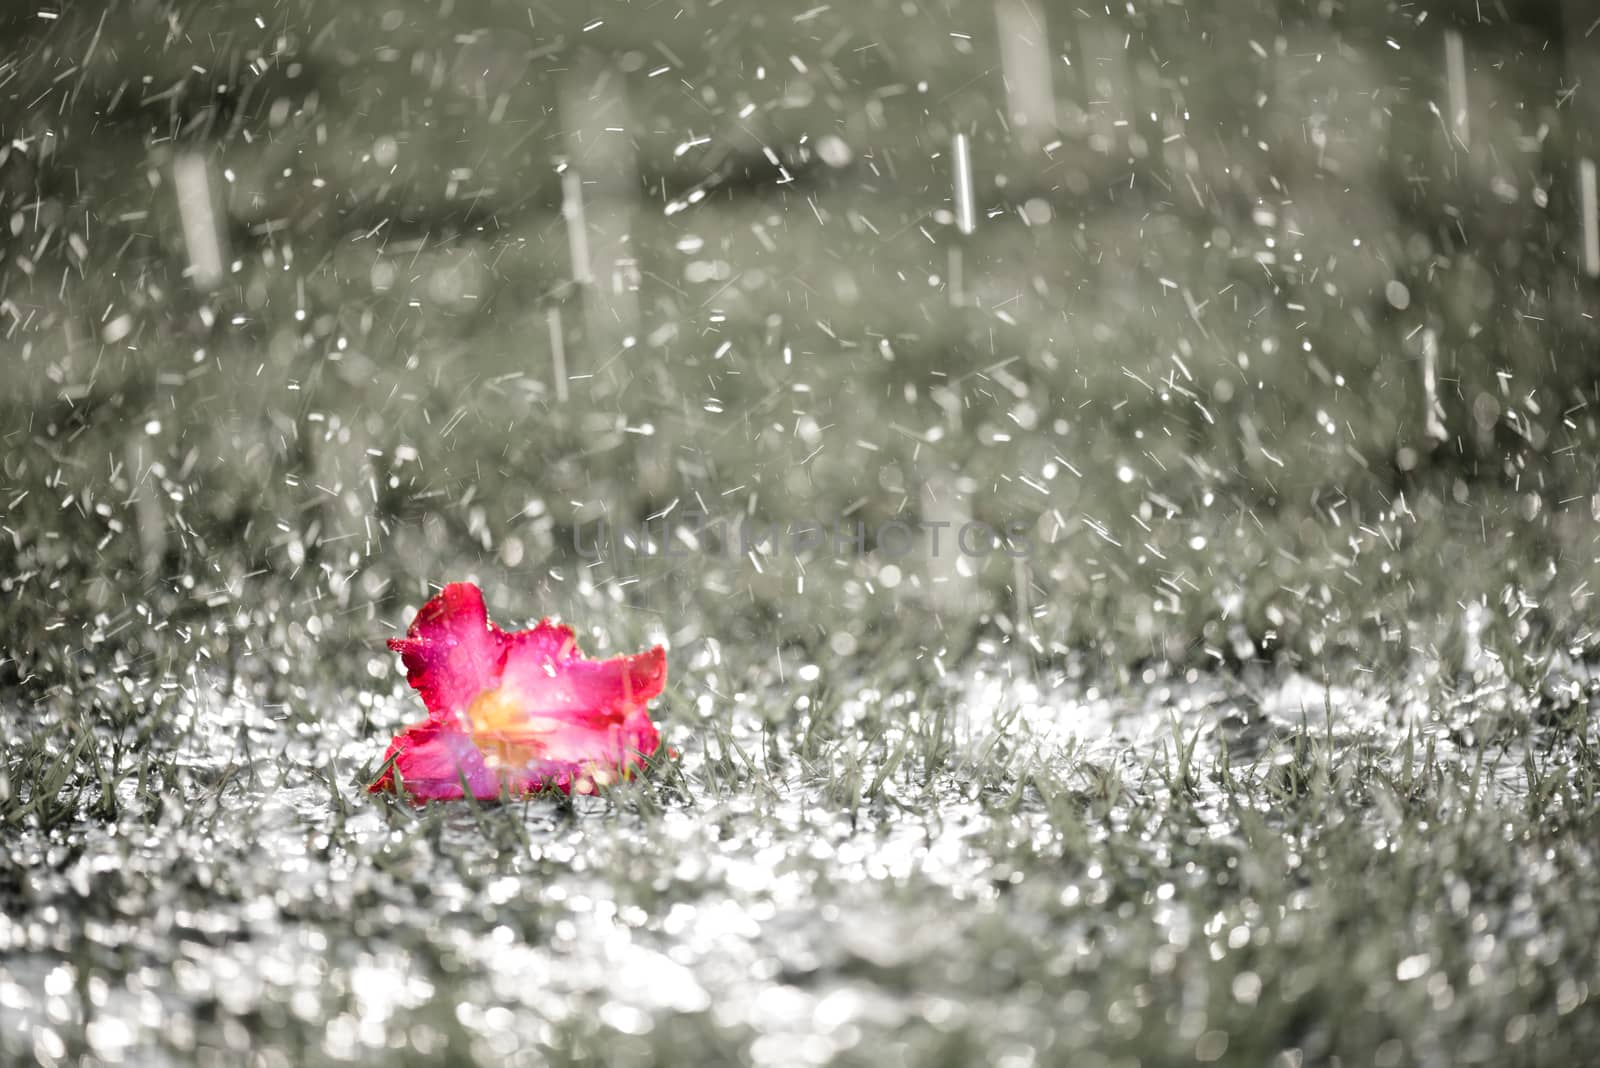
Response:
column 1265, row 737
column 1012, row 865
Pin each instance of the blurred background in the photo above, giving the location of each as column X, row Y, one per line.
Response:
column 1270, row 326
column 1266, row 318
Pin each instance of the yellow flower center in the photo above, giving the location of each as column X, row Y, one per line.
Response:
column 504, row 731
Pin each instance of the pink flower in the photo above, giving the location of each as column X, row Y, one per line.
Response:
column 515, row 712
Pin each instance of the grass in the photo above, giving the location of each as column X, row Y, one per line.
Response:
column 1276, row 747
column 889, row 868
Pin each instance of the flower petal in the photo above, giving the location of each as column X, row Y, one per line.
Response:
column 451, row 651
column 435, row 762
column 553, row 643
column 574, row 687
column 571, row 713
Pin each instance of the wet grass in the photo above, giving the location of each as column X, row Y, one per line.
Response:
column 861, row 868
column 1276, row 746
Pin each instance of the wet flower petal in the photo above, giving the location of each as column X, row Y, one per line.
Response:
column 516, row 712
column 450, row 649
column 436, row 762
